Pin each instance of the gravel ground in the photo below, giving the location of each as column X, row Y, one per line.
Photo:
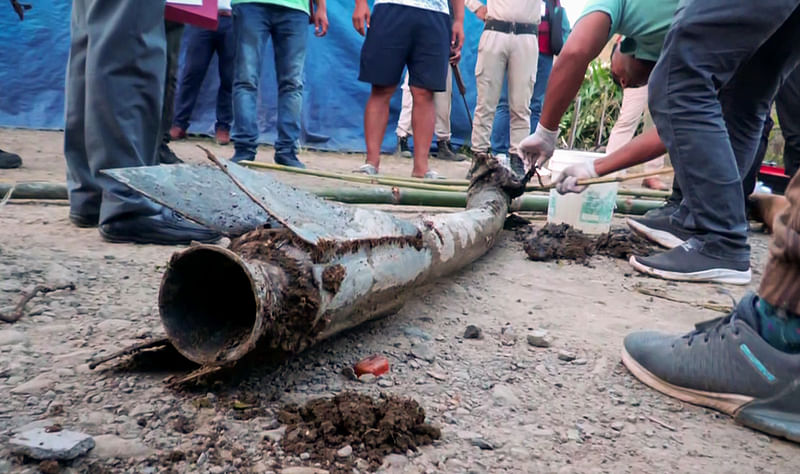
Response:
column 502, row 404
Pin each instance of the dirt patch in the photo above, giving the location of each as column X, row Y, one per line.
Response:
column 332, row 278
column 563, row 242
column 372, row 428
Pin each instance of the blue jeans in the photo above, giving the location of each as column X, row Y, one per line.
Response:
column 253, row 25
column 709, row 108
column 201, row 44
column 500, row 134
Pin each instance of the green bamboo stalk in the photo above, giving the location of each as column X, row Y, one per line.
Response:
column 35, row 190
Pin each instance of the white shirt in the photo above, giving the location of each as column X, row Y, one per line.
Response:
column 434, row 5
column 224, row 5
column 518, row 11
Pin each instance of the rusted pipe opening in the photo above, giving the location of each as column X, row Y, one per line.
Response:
column 208, row 304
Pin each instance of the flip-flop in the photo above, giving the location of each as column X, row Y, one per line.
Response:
column 433, row 175
column 367, row 169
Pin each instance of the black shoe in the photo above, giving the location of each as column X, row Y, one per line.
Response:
column 166, row 228
column 9, row 160
column 166, row 156
column 725, row 365
column 402, row 147
column 237, row 157
column 289, row 160
column 84, row 221
column 660, row 230
column 517, row 165
column 666, row 210
column 686, row 263
column 445, row 152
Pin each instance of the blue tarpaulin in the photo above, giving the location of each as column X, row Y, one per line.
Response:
column 34, row 57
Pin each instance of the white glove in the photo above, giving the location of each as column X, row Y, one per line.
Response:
column 539, row 147
column 567, row 179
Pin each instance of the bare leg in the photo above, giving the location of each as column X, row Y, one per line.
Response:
column 376, row 116
column 423, row 118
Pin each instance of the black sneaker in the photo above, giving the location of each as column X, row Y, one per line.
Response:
column 666, row 210
column 446, row 153
column 9, row 160
column 166, row 156
column 289, row 160
column 84, row 221
column 166, row 228
column 686, row 263
column 726, row 365
column 660, row 230
column 402, row 147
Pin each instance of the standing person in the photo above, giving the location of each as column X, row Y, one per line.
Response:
column 508, row 48
column 12, row 160
column 748, row 363
column 201, row 45
column 787, row 104
column 254, row 23
column 114, row 93
column 417, row 34
column 174, row 31
column 441, row 103
column 553, row 31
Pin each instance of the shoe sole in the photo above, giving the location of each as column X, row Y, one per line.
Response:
column 661, row 237
column 770, row 415
column 714, row 275
column 140, row 240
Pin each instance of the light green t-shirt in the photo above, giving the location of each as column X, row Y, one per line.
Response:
column 301, row 5
column 644, row 23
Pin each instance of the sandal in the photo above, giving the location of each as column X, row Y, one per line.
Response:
column 433, row 175
column 367, row 169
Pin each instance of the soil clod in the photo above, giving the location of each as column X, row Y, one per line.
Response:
column 564, row 242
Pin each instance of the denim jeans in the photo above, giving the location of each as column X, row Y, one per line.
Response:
column 201, row 45
column 500, row 134
column 253, row 25
column 710, row 91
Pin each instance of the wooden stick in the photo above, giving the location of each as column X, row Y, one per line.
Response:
column 660, row 294
column 129, row 350
column 607, row 179
column 661, row 423
column 26, row 297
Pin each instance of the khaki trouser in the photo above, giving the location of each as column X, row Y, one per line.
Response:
column 780, row 285
column 634, row 104
column 504, row 55
column 441, row 102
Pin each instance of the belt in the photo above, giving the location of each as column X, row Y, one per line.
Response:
column 511, row 27
column 225, row 13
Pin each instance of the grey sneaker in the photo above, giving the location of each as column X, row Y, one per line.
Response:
column 666, row 210
column 723, row 364
column 686, row 263
column 660, row 230
column 446, row 153
column 402, row 147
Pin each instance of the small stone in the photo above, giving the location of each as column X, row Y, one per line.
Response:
column 385, row 383
column 566, row 356
column 424, row 352
column 482, row 443
column 473, row 332
column 574, row 435
column 305, row 456
column 9, row 337
column 503, row 395
column 344, row 452
column 275, row 435
column 580, row 362
column 303, row 470
column 349, row 373
column 397, row 461
column 34, row 385
column 42, row 444
column 436, row 375
column 539, row 339
column 412, row 331
column 367, row 378
column 49, row 467
column 508, row 336
column 111, row 446
column 617, row 426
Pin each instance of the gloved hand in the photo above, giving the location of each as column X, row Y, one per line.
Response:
column 539, row 147
column 567, row 180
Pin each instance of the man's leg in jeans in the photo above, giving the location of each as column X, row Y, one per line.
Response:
column 747, row 364
column 251, row 27
column 543, row 69
column 199, row 51
column 226, row 55
column 788, row 105
column 84, row 192
column 289, row 37
column 174, row 32
column 687, row 111
column 500, row 127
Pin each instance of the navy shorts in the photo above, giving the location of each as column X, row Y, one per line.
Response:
column 400, row 36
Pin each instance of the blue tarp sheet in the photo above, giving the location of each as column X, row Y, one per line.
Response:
column 35, row 51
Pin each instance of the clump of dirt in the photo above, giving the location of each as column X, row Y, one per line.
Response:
column 372, row 428
column 563, row 242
